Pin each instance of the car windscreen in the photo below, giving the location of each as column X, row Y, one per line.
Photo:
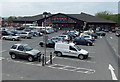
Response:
column 28, row 48
column 78, row 48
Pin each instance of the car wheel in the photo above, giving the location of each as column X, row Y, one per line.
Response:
column 81, row 57
column 13, row 39
column 13, row 56
column 30, row 58
column 59, row 54
column 75, row 43
column 88, row 44
column 4, row 38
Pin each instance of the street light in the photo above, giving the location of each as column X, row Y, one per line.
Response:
column 45, row 14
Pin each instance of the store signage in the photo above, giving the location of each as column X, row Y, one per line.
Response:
column 59, row 18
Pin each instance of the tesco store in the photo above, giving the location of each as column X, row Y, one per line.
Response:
column 68, row 21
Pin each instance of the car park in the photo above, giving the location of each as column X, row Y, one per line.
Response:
column 82, row 41
column 24, row 51
column 25, row 35
column 70, row 49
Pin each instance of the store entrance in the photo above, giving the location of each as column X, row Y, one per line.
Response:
column 64, row 25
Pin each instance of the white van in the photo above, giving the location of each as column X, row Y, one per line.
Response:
column 70, row 49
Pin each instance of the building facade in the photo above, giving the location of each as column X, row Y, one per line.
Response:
column 68, row 21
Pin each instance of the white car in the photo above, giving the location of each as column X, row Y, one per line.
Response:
column 11, row 37
column 66, row 37
column 87, row 37
column 70, row 49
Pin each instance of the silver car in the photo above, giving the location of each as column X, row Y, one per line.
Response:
column 25, row 35
column 11, row 37
column 24, row 51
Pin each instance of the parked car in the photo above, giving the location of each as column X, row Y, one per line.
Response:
column 65, row 37
column 82, row 41
column 49, row 43
column 117, row 33
column 25, row 35
column 94, row 35
column 24, row 51
column 87, row 37
column 47, row 31
column 20, row 28
column 101, row 33
column 56, row 39
column 106, row 30
column 70, row 49
column 15, row 32
column 11, row 37
column 5, row 33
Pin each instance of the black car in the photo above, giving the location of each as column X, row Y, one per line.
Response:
column 50, row 43
column 82, row 41
column 5, row 33
column 94, row 35
column 101, row 33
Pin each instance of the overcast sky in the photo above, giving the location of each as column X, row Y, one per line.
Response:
column 20, row 8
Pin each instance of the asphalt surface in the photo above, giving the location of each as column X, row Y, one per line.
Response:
column 96, row 67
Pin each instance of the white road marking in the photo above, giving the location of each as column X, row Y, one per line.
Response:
column 3, row 51
column 1, row 58
column 114, row 49
column 112, row 72
column 76, row 60
column 111, row 37
column 87, row 71
column 49, row 59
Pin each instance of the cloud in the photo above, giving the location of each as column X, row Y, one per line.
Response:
column 34, row 8
column 60, row 0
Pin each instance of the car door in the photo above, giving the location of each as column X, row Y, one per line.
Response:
column 72, row 51
column 21, row 51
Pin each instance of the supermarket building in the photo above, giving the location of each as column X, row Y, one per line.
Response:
column 68, row 21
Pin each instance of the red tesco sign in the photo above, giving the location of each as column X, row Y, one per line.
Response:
column 59, row 18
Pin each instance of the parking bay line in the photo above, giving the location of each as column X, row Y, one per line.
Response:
column 75, row 69
column 75, row 60
column 3, row 51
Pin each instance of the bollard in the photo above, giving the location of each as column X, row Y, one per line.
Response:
column 43, row 60
column 50, row 57
column 39, row 58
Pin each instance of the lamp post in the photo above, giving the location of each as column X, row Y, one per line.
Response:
column 45, row 14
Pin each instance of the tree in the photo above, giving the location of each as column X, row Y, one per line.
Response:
column 11, row 18
column 104, row 14
column 109, row 16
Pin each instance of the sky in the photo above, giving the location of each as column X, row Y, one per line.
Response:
column 19, row 8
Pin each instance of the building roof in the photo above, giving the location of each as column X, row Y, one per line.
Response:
column 83, row 17
column 90, row 18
